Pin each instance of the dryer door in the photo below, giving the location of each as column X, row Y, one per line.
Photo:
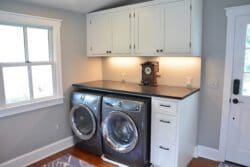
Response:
column 83, row 122
column 120, row 132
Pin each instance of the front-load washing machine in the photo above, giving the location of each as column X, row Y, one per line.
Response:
column 85, row 120
column 126, row 130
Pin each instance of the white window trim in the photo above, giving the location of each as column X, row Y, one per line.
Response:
column 55, row 25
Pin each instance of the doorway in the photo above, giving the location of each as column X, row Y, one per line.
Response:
column 235, row 129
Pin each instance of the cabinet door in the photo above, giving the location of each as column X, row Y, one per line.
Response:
column 177, row 27
column 166, row 124
column 163, row 155
column 99, row 34
column 121, row 32
column 148, row 30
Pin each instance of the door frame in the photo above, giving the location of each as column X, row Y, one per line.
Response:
column 231, row 14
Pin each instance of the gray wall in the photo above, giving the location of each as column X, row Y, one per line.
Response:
column 25, row 132
column 214, row 39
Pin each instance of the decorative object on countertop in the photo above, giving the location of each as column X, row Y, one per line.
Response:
column 189, row 84
column 149, row 73
column 68, row 160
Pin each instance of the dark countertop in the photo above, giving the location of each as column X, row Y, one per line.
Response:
column 136, row 89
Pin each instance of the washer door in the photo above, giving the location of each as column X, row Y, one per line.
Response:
column 83, row 122
column 120, row 132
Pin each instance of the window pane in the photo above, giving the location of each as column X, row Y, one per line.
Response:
column 247, row 61
column 16, row 84
column 248, row 37
column 42, row 81
column 246, row 85
column 38, row 44
column 11, row 44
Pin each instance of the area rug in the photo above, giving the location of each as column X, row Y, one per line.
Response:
column 68, row 161
column 227, row 164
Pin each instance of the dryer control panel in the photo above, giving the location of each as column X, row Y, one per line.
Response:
column 123, row 105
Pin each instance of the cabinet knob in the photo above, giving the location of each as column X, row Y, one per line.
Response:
column 157, row 50
column 107, row 52
column 110, row 52
column 161, row 50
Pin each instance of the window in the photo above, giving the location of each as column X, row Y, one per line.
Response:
column 246, row 75
column 30, row 73
column 26, row 63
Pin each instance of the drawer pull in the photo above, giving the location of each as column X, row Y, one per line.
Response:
column 163, row 105
column 163, row 121
column 164, row 148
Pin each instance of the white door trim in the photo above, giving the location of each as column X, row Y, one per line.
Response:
column 231, row 14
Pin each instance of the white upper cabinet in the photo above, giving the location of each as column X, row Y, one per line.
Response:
column 109, row 33
column 121, row 32
column 154, row 28
column 177, row 25
column 148, row 30
column 99, row 35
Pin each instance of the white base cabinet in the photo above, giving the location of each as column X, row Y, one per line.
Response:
column 173, row 131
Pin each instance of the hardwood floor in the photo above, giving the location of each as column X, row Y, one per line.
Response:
column 90, row 158
column 202, row 162
column 97, row 161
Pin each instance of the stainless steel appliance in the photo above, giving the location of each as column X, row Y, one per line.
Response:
column 126, row 130
column 85, row 119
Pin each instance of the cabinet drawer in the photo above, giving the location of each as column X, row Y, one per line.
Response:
column 164, row 128
column 164, row 107
column 163, row 155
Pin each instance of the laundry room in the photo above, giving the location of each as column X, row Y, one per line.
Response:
column 126, row 83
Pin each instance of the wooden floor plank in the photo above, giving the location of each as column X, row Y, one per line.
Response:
column 202, row 162
column 97, row 161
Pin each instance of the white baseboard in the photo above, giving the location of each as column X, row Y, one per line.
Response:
column 196, row 152
column 208, row 153
column 40, row 153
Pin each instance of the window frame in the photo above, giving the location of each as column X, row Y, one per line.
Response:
column 53, row 26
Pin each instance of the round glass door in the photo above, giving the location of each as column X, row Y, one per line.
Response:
column 83, row 122
column 120, row 132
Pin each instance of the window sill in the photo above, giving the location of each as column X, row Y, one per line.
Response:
column 30, row 106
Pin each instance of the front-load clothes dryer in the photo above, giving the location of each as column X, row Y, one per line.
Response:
column 85, row 120
column 126, row 130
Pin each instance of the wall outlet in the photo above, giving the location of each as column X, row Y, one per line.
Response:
column 123, row 76
column 213, row 84
column 58, row 126
column 189, row 83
